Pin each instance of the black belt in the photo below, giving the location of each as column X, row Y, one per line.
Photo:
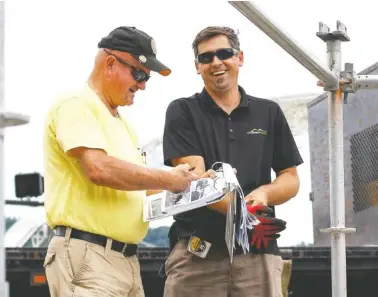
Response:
column 126, row 249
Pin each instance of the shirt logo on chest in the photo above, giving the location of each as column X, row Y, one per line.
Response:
column 257, row 131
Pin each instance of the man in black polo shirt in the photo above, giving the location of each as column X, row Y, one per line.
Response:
column 223, row 123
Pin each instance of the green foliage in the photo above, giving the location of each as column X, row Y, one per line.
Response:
column 9, row 222
column 158, row 236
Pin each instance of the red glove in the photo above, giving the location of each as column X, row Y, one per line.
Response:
column 267, row 229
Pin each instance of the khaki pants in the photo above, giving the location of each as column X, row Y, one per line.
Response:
column 250, row 275
column 77, row 268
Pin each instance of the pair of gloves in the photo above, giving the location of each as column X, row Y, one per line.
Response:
column 267, row 229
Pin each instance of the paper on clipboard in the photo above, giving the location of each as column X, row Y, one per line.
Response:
column 203, row 192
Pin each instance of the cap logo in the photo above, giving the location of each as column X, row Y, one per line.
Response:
column 153, row 46
column 142, row 59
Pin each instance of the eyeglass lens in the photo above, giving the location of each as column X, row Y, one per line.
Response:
column 221, row 54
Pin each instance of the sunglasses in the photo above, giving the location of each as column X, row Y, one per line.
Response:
column 138, row 75
column 221, row 54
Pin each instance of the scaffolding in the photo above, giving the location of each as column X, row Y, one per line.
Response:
column 337, row 83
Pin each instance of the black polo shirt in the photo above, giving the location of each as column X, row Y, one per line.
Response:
column 254, row 139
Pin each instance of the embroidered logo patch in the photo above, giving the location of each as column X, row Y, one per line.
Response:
column 258, row 131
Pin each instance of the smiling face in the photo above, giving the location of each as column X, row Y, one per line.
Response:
column 119, row 74
column 221, row 74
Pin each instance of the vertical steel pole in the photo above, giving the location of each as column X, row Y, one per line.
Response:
column 336, row 160
column 3, row 284
column 336, row 170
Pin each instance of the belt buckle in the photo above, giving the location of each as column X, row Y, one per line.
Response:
column 124, row 249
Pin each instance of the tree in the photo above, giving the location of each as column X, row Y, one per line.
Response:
column 158, row 236
column 304, row 244
column 9, row 222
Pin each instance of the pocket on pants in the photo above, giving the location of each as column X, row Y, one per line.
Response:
column 277, row 276
column 77, row 258
column 50, row 256
column 172, row 256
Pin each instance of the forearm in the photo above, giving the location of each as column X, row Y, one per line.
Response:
column 199, row 164
column 220, row 206
column 122, row 175
column 153, row 192
column 282, row 189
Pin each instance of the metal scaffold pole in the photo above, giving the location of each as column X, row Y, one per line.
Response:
column 338, row 83
column 336, row 174
column 286, row 42
column 6, row 120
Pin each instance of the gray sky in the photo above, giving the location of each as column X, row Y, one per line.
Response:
column 50, row 47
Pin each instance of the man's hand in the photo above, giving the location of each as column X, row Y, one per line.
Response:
column 212, row 174
column 181, row 178
column 267, row 229
column 209, row 174
column 257, row 197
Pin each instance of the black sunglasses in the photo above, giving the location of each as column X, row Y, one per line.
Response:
column 138, row 75
column 222, row 54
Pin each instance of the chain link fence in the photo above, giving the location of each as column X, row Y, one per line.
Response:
column 364, row 157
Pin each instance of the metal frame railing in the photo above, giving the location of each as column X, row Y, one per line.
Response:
column 334, row 80
column 337, row 83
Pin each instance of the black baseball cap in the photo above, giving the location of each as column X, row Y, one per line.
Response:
column 137, row 43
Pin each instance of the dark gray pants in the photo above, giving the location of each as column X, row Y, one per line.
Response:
column 249, row 275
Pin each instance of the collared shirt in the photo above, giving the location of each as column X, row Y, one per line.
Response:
column 255, row 138
column 81, row 119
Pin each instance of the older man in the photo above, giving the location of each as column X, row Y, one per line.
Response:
column 95, row 179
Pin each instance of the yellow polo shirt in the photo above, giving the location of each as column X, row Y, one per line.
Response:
column 82, row 120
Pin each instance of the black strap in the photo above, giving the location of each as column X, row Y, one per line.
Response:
column 126, row 249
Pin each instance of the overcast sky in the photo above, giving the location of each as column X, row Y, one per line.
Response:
column 50, row 47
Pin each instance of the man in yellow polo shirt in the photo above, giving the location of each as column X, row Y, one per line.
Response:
column 95, row 180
